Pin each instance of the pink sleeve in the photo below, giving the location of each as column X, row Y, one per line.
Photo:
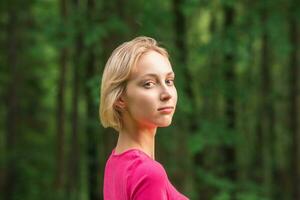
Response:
column 148, row 183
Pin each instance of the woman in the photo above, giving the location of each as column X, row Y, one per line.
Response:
column 137, row 96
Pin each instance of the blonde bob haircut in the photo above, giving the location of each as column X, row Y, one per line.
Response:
column 116, row 74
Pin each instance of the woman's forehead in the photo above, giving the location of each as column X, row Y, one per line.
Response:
column 152, row 63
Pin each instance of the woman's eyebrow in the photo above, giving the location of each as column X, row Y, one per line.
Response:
column 156, row 75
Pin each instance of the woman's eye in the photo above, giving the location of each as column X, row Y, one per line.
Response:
column 170, row 82
column 148, row 84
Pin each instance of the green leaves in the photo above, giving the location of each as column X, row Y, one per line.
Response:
column 212, row 134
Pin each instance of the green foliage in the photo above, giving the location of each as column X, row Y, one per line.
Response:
column 217, row 114
column 212, row 134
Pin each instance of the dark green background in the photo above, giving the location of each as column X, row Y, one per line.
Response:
column 236, row 131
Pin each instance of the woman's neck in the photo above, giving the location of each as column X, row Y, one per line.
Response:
column 142, row 139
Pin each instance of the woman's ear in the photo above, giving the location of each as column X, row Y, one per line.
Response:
column 120, row 103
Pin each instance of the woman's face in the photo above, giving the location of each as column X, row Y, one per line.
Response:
column 150, row 98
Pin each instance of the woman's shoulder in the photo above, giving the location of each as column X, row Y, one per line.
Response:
column 137, row 163
column 146, row 177
column 146, row 169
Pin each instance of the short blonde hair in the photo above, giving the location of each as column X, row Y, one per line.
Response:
column 116, row 73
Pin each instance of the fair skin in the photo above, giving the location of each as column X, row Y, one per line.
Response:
column 148, row 103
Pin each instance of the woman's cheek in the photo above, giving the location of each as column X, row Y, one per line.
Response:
column 175, row 96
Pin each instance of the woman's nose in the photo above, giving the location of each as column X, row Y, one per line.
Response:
column 165, row 95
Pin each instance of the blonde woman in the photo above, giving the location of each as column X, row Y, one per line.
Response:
column 138, row 95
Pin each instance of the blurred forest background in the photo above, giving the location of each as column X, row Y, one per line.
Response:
column 236, row 131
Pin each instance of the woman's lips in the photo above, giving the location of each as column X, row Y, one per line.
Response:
column 166, row 110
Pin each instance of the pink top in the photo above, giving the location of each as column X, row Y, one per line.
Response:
column 133, row 175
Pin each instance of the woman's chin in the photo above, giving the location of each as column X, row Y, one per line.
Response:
column 165, row 123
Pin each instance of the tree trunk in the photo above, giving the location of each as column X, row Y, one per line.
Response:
column 294, row 108
column 12, row 119
column 230, row 96
column 74, row 156
column 92, row 115
column 206, row 159
column 180, row 43
column 267, row 112
column 182, row 175
column 60, row 139
column 92, row 156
